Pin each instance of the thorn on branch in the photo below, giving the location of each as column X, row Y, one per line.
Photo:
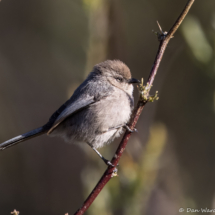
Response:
column 162, row 34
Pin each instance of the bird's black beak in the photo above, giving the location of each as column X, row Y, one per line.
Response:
column 133, row 81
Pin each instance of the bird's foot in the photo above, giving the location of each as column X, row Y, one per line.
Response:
column 107, row 162
column 130, row 130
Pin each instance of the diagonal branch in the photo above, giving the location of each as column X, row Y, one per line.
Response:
column 164, row 39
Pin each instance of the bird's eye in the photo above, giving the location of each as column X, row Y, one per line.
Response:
column 119, row 79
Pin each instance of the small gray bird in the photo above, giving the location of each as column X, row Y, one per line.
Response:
column 97, row 112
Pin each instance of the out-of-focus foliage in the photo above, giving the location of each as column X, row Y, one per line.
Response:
column 196, row 39
column 47, row 48
column 135, row 178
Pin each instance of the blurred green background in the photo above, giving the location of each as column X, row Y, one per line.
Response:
column 47, row 48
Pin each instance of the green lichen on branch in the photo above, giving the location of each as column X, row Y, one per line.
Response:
column 153, row 98
column 144, row 93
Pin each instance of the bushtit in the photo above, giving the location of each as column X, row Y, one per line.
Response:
column 96, row 113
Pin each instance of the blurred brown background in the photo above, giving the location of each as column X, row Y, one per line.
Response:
column 48, row 47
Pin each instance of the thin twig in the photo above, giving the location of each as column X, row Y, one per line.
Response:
column 164, row 39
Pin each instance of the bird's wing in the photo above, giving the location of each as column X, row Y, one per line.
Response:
column 71, row 108
column 89, row 92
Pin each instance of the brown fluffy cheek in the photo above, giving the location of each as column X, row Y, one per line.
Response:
column 128, row 88
column 114, row 82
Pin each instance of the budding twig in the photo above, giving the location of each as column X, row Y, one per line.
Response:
column 163, row 38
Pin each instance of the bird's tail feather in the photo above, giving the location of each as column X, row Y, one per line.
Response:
column 23, row 137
